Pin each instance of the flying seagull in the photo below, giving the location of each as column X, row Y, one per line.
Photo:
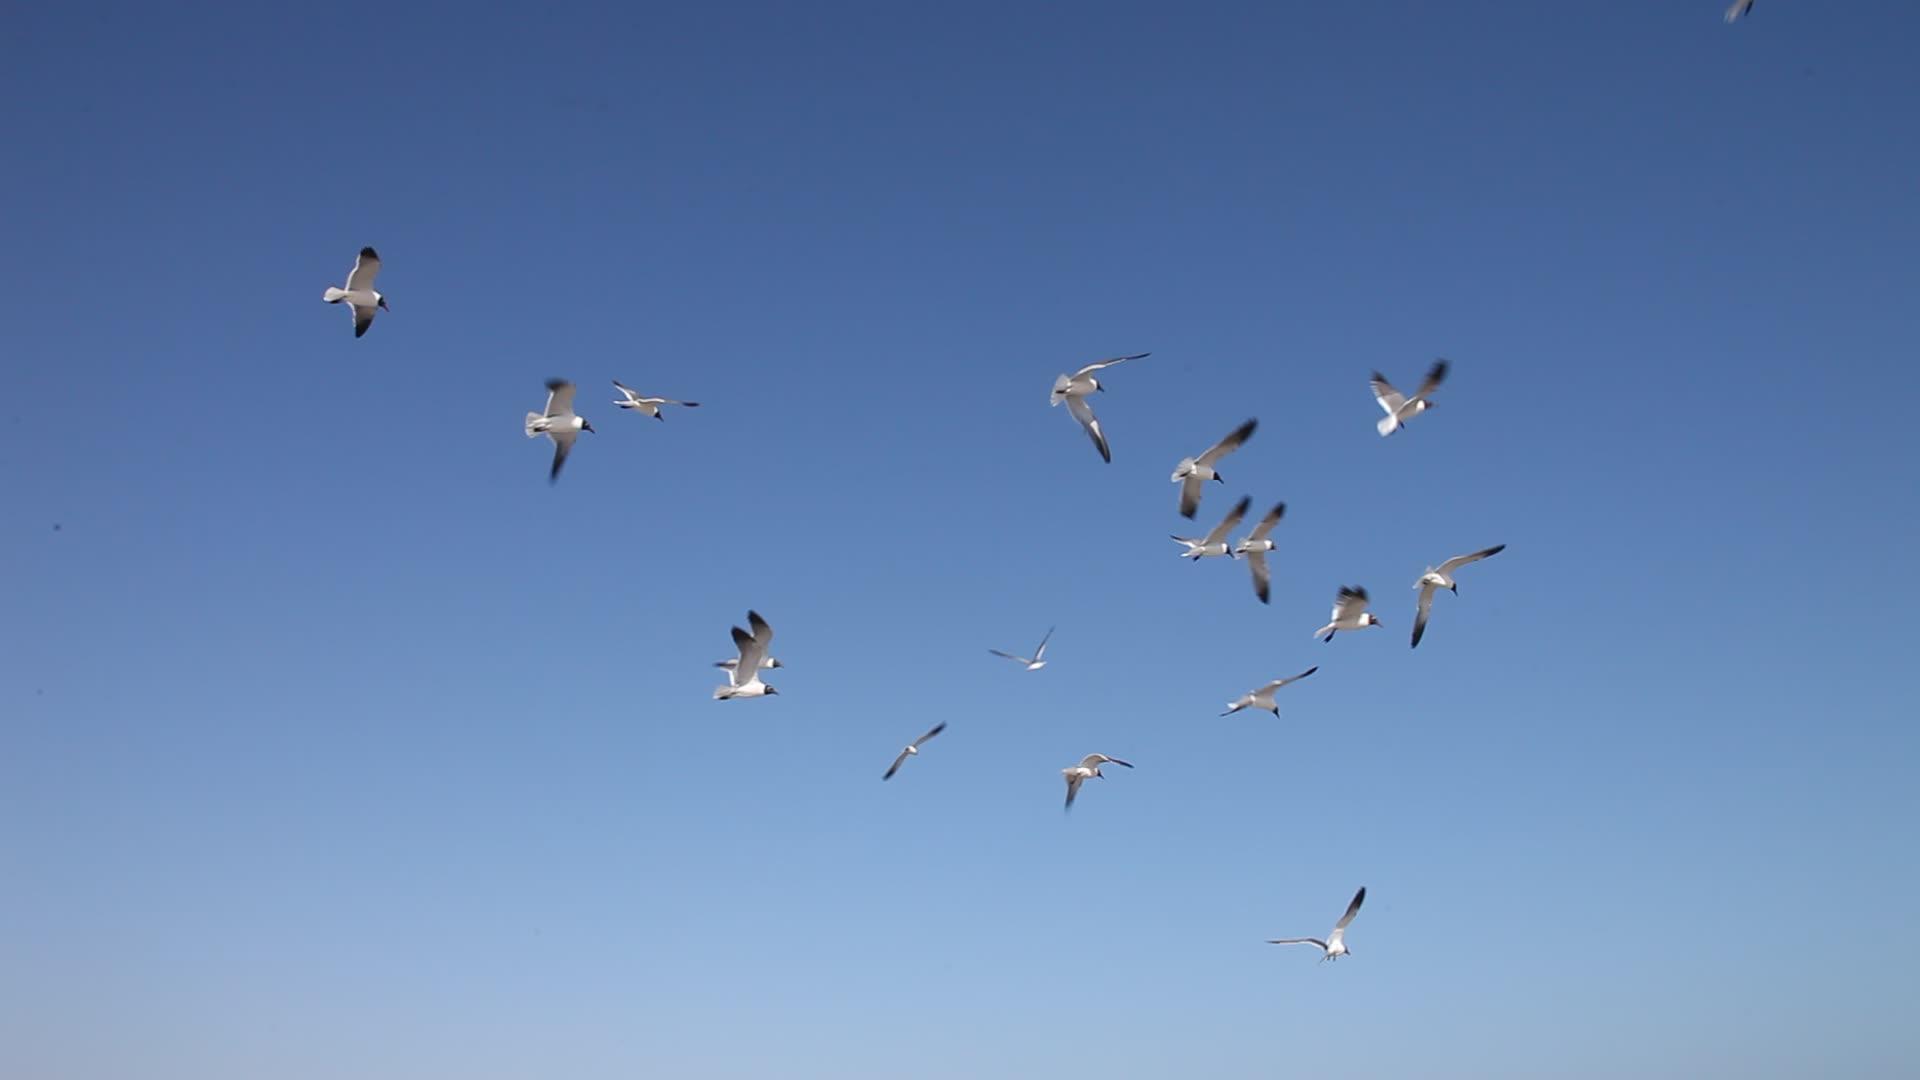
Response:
column 1089, row 767
column 1256, row 546
column 1263, row 697
column 1400, row 408
column 1034, row 663
column 1335, row 946
column 1215, row 542
column 1192, row 473
column 732, row 662
column 753, row 650
column 913, row 749
column 630, row 399
column 1349, row 613
column 359, row 293
column 558, row 423
column 1739, row 8
column 1073, row 389
column 1441, row 577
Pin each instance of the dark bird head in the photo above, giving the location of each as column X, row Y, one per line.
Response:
column 383, row 304
column 584, row 426
column 771, row 691
column 1454, row 588
column 1374, row 620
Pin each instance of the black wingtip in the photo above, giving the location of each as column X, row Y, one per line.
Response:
column 555, row 384
column 369, row 253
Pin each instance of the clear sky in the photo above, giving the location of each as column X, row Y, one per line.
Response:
column 335, row 743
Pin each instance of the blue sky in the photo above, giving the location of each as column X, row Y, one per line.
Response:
column 337, row 743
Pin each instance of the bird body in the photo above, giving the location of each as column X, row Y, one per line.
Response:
column 1263, row 697
column 1349, row 613
column 558, row 423
column 1088, row 769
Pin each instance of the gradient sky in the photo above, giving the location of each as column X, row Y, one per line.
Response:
column 335, row 743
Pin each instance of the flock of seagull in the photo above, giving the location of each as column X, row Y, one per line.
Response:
column 753, row 645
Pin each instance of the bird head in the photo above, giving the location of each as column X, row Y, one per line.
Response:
column 775, row 663
column 1454, row 589
column 382, row 301
column 1374, row 620
column 584, row 426
column 772, row 691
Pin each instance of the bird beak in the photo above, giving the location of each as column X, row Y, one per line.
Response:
column 383, row 304
column 588, row 426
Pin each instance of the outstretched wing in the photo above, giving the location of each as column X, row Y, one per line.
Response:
column 1010, row 656
column 1107, row 363
column 752, row 651
column 562, row 446
column 762, row 632
column 1432, row 382
column 1352, row 909
column 895, row 767
column 1278, row 683
column 1350, row 603
column 1218, row 534
column 1459, row 561
column 1267, row 523
column 1073, row 786
column 365, row 269
column 1190, row 489
column 1262, row 580
column 937, row 729
column 1229, row 444
column 1300, row 941
column 1383, row 392
column 559, row 398
column 1420, row 616
column 1041, row 652
column 362, row 318
column 1083, row 412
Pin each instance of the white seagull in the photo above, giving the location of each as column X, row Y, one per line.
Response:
column 913, row 749
column 1215, row 542
column 1335, row 946
column 733, row 662
column 1034, row 663
column 359, row 293
column 1441, row 577
column 1255, row 548
column 1349, row 613
column 1073, row 389
column 1088, row 768
column 1192, row 473
column 1400, row 408
column 1739, row 8
column 753, row 650
column 558, row 423
column 1263, row 697
column 631, row 399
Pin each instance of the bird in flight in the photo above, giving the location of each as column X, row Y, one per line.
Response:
column 1441, row 577
column 1336, row 945
column 359, row 294
column 1400, row 408
column 1739, row 8
column 558, row 423
column 1349, row 613
column 1255, row 548
column 1088, row 768
column 631, row 399
column 1215, row 542
column 1073, row 389
column 913, row 749
column 1193, row 473
column 743, row 679
column 1035, row 662
column 1263, row 697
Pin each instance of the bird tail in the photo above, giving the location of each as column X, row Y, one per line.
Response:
column 532, row 417
column 334, row 295
column 721, row 693
column 1388, row 425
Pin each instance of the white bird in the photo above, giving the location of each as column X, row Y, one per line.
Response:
column 1255, row 548
column 1263, row 697
column 1441, row 577
column 1215, row 542
column 1192, row 473
column 1335, row 946
column 631, row 399
column 1400, row 408
column 753, row 650
column 913, row 749
column 1034, row 663
column 1088, row 768
column 359, row 293
column 558, row 423
column 1073, row 389
column 1739, row 8
column 1349, row 613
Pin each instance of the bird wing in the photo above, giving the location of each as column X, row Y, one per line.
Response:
column 1010, row 656
column 1278, row 683
column 559, row 398
column 1384, row 393
column 752, row 651
column 1432, row 382
column 629, row 392
column 762, row 632
column 1352, row 910
column 1073, row 785
column 1229, row 444
column 365, row 269
column 1420, row 616
column 1739, row 8
column 362, row 318
column 562, row 446
column 895, row 767
column 1218, row 534
column 937, row 729
column 1350, row 602
column 1190, row 489
column 1267, row 523
column 1459, row 561
column 1107, row 363
column 1300, row 941
column 1083, row 412
column 1262, row 579
column 1042, row 650
column 1115, row 761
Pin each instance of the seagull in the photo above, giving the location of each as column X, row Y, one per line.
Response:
column 1256, row 546
column 1263, row 697
column 753, row 651
column 1349, row 613
column 1441, row 577
column 359, row 293
column 558, row 423
column 1039, row 659
column 1739, row 8
column 1193, row 472
column 1073, row 389
column 913, row 749
column 650, row 405
column 1215, row 542
column 1089, row 767
column 1335, row 946
column 1400, row 408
